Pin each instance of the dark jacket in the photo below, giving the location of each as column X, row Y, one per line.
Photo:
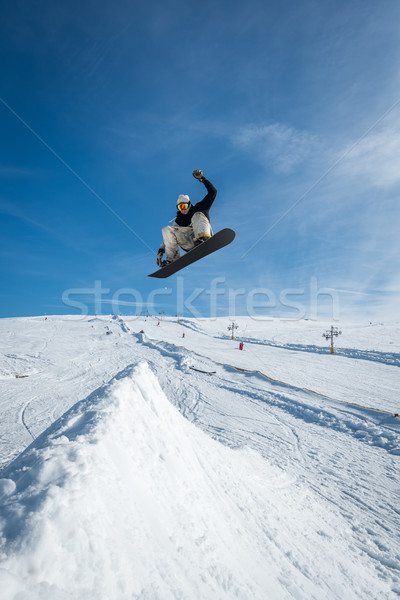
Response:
column 202, row 206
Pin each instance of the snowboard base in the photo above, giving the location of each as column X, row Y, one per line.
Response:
column 216, row 242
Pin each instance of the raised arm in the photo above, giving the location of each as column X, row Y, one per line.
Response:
column 209, row 198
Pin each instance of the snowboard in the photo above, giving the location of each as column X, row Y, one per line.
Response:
column 216, row 242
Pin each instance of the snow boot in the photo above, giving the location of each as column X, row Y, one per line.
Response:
column 201, row 238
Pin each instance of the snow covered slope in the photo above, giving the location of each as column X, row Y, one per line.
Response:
column 131, row 472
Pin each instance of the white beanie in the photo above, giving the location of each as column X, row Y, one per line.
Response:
column 183, row 198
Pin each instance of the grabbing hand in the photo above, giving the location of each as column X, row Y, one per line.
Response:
column 160, row 254
column 198, row 174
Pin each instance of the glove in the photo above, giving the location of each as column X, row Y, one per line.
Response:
column 160, row 254
column 198, row 174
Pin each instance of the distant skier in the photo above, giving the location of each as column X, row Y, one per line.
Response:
column 191, row 225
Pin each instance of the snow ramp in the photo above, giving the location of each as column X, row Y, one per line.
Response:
column 123, row 498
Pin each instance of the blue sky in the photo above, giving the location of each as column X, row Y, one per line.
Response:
column 292, row 110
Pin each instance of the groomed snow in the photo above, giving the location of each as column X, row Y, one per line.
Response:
column 128, row 474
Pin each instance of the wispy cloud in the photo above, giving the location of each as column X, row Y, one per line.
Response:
column 352, row 292
column 278, row 144
column 376, row 158
column 13, row 172
column 8, row 209
column 75, row 240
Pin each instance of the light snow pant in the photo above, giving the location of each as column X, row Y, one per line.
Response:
column 175, row 236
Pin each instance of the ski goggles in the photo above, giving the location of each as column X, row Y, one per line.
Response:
column 183, row 205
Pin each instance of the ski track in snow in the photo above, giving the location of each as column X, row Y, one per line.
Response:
column 386, row 358
column 23, row 418
column 374, row 526
column 334, row 508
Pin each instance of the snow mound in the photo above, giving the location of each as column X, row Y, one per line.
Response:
column 124, row 498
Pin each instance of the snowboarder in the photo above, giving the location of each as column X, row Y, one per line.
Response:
column 191, row 225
